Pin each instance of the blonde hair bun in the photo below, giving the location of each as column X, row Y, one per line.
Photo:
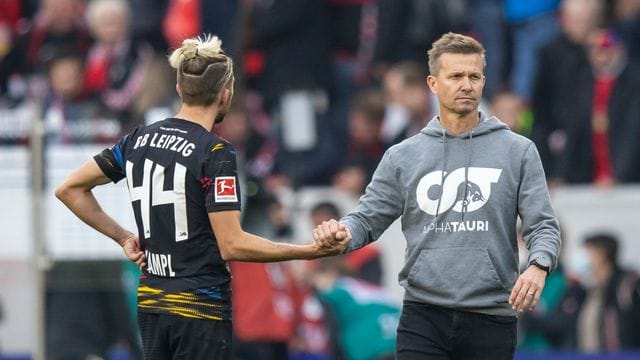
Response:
column 209, row 46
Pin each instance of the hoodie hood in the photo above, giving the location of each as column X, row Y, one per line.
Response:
column 484, row 126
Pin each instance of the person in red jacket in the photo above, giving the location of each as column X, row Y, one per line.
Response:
column 264, row 308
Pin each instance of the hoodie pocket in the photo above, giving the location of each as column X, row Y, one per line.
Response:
column 460, row 276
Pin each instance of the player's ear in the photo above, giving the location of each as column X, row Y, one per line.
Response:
column 178, row 90
column 432, row 84
column 225, row 97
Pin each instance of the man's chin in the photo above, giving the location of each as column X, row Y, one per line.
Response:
column 466, row 109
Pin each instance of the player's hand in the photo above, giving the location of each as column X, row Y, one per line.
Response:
column 329, row 233
column 526, row 292
column 131, row 247
column 332, row 237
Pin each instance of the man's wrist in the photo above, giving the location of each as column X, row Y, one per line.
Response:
column 540, row 264
column 126, row 237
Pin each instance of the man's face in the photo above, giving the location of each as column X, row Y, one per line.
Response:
column 605, row 53
column 66, row 78
column 459, row 82
column 111, row 27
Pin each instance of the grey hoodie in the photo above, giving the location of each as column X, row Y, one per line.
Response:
column 461, row 247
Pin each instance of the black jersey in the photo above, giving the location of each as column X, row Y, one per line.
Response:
column 177, row 172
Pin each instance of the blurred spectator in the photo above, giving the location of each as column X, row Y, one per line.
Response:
column 219, row 17
column 294, row 35
column 625, row 19
column 188, row 18
column 406, row 28
column 181, row 21
column 509, row 108
column 318, row 326
column 352, row 41
column 365, row 317
column 313, row 339
column 533, row 24
column 12, row 17
column 71, row 116
column 552, row 324
column 563, row 64
column 87, row 312
column 409, row 104
column 364, row 147
column 489, row 25
column 178, row 20
column 58, row 23
column 603, row 126
column 279, row 217
column 609, row 319
column 147, row 28
column 116, row 65
column 264, row 308
column 266, row 299
column 255, row 152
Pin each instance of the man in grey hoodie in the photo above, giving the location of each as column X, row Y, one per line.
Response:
column 459, row 186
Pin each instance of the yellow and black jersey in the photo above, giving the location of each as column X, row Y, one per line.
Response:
column 177, row 172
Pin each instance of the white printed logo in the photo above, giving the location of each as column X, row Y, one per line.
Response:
column 453, row 194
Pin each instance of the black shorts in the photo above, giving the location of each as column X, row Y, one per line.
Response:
column 173, row 337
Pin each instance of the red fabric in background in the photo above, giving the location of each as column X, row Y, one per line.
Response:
column 264, row 299
column 10, row 13
column 603, row 169
column 96, row 74
column 182, row 21
column 356, row 259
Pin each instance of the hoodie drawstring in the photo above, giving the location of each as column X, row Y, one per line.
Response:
column 441, row 176
column 465, row 199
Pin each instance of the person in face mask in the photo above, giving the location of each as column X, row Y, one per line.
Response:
column 609, row 318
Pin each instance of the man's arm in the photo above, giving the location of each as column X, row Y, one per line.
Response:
column 540, row 231
column 236, row 244
column 76, row 193
column 380, row 206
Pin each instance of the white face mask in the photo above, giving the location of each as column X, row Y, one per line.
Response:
column 580, row 266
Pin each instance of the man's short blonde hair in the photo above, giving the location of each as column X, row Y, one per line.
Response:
column 454, row 44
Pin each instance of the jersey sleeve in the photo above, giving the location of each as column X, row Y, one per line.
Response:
column 111, row 160
column 220, row 183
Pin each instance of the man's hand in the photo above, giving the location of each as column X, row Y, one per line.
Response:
column 131, row 247
column 526, row 293
column 332, row 237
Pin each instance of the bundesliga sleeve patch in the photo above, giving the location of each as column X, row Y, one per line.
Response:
column 226, row 189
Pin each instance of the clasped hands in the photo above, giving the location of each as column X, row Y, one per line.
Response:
column 331, row 237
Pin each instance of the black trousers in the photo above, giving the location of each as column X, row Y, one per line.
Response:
column 169, row 337
column 431, row 332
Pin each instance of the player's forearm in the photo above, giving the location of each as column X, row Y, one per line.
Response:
column 85, row 206
column 249, row 247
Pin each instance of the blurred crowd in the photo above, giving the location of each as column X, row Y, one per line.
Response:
column 323, row 88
